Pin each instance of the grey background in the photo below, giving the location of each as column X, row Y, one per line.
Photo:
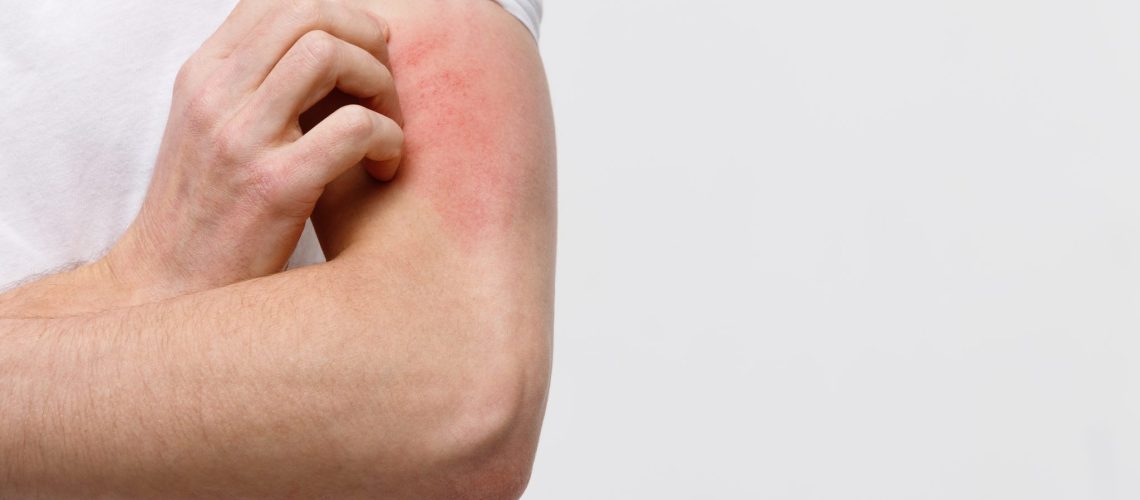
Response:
column 832, row 249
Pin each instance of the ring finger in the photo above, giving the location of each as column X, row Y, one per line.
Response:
column 312, row 68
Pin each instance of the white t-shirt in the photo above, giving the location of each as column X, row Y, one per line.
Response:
column 85, row 89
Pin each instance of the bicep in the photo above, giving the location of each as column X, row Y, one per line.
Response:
column 478, row 169
column 460, row 245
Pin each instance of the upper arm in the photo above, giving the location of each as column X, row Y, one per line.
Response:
column 478, row 169
column 461, row 243
column 479, row 130
column 474, row 199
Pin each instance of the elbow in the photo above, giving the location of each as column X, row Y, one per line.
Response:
column 492, row 443
column 494, row 462
column 456, row 411
column 484, row 446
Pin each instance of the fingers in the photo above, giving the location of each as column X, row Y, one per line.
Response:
column 282, row 57
column 275, row 33
column 351, row 134
column 237, row 26
column 317, row 64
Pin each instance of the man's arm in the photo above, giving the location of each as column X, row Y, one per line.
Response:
column 278, row 385
column 414, row 364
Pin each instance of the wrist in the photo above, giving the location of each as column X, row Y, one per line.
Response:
column 124, row 277
column 86, row 289
column 131, row 275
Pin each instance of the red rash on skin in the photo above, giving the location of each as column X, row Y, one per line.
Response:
column 456, row 153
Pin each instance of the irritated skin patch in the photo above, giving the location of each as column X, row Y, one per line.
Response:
column 458, row 124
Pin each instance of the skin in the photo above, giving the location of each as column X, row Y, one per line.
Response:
column 414, row 364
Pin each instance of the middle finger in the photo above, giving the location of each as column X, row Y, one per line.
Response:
column 277, row 32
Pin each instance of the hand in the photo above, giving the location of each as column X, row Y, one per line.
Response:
column 236, row 178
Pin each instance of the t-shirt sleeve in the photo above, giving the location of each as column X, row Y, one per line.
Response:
column 528, row 11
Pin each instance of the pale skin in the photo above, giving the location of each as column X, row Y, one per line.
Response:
column 414, row 364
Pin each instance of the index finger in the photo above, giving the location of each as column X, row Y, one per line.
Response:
column 236, row 27
column 278, row 31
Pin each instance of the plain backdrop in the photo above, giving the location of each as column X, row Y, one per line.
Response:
column 834, row 249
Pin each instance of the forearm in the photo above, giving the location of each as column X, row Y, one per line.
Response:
column 265, row 387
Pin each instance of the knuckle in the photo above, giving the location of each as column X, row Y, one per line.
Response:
column 186, row 76
column 319, row 49
column 357, row 121
column 229, row 145
column 196, row 102
column 199, row 109
column 264, row 181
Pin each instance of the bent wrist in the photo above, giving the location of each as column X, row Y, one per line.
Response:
column 132, row 273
